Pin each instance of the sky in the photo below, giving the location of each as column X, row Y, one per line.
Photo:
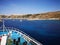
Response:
column 28, row 6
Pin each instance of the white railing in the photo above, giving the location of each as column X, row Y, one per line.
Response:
column 29, row 38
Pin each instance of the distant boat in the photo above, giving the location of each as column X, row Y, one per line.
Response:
column 21, row 20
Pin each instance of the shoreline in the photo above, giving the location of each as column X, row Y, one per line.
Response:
column 45, row 19
column 32, row 19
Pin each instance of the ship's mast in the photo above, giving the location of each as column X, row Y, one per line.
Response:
column 3, row 25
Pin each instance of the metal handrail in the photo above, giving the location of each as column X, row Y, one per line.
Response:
column 15, row 29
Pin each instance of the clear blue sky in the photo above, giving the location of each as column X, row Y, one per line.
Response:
column 28, row 6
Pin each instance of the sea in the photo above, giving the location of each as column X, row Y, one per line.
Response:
column 46, row 32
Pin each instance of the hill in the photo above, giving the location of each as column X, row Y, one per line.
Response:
column 52, row 15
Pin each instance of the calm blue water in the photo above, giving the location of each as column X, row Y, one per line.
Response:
column 45, row 31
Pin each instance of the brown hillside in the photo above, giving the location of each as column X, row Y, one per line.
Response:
column 33, row 16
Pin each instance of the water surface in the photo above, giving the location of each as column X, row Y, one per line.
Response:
column 45, row 31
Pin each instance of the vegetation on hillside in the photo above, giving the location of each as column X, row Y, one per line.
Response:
column 33, row 16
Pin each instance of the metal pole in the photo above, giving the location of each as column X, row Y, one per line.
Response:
column 3, row 25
